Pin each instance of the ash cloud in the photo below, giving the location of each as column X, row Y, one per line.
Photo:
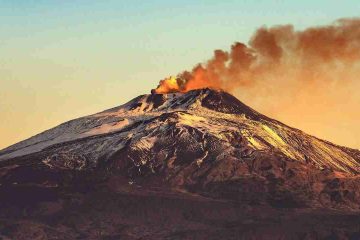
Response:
column 283, row 72
column 308, row 55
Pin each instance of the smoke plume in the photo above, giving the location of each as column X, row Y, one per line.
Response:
column 284, row 72
column 312, row 55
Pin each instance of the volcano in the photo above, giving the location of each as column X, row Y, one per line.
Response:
column 194, row 165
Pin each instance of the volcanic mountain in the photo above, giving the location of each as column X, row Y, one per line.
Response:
column 203, row 150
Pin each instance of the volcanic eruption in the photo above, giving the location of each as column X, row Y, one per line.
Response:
column 282, row 71
column 191, row 161
column 317, row 55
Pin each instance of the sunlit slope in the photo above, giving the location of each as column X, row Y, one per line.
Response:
column 198, row 126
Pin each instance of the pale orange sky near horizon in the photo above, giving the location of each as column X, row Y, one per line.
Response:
column 67, row 60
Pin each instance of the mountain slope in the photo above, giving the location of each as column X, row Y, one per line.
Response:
column 203, row 122
column 198, row 165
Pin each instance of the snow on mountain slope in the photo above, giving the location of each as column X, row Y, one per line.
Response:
column 197, row 125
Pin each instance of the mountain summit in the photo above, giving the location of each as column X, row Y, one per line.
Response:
column 197, row 126
column 203, row 144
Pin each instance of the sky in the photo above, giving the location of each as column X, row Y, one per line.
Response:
column 66, row 59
